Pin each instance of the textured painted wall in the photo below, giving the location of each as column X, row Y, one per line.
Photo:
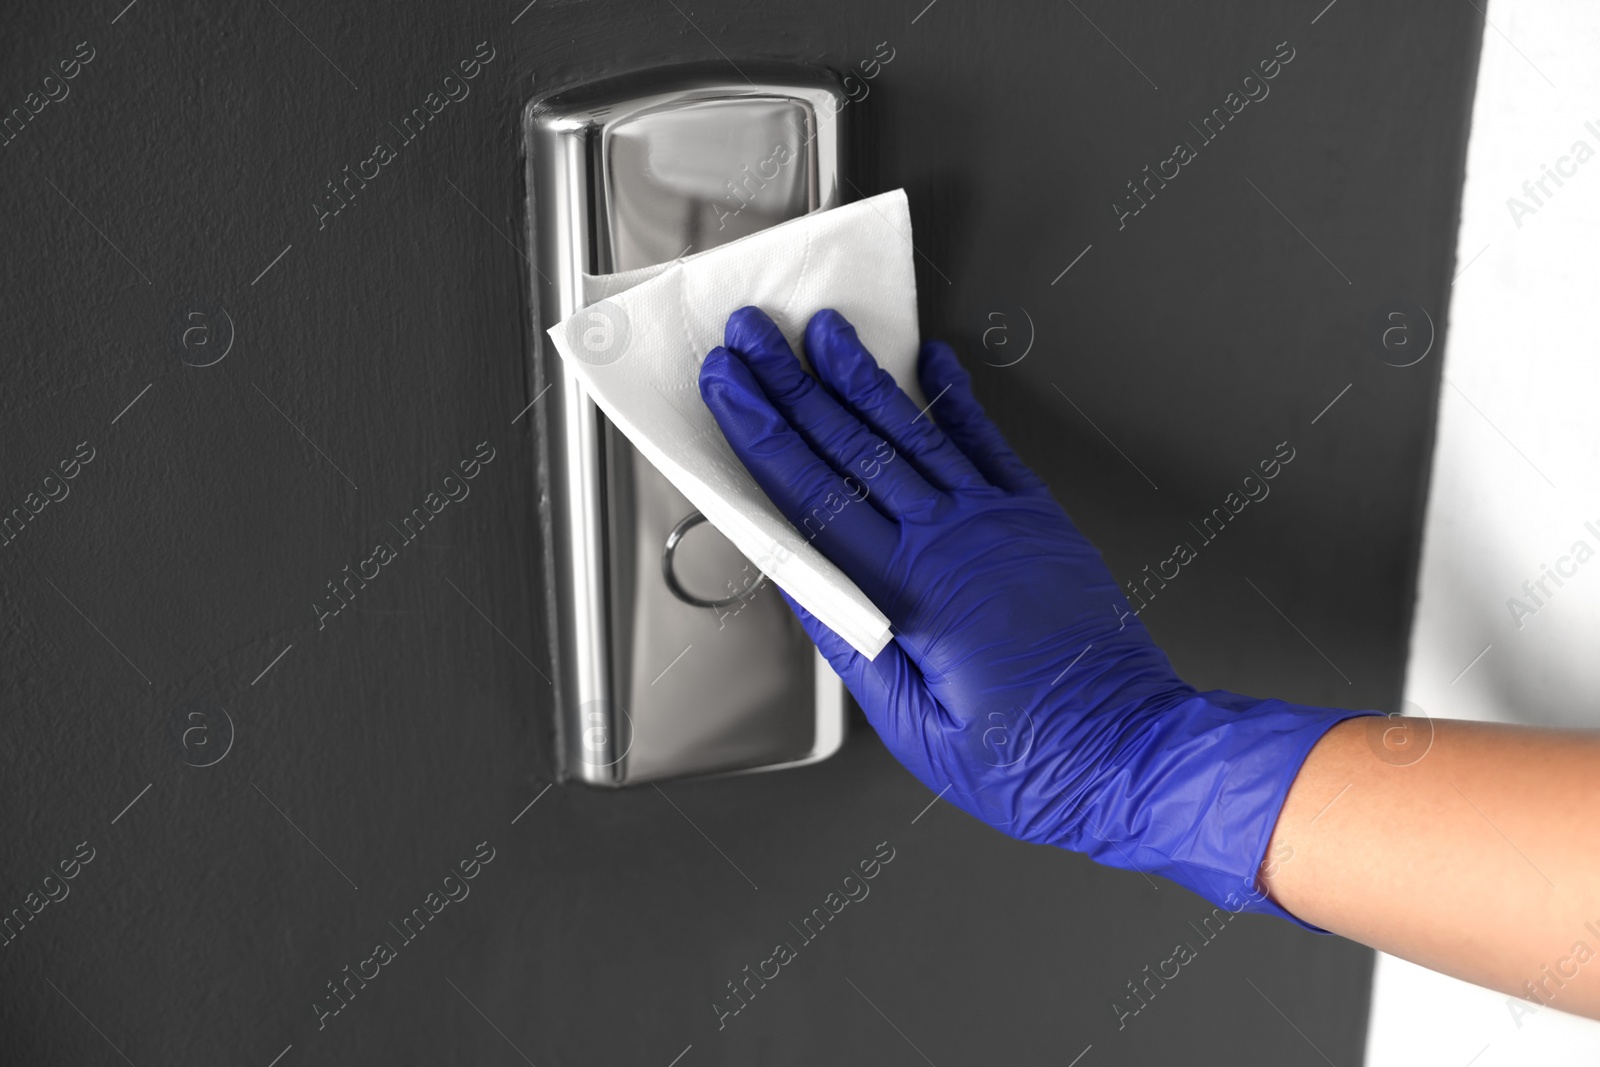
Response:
column 248, row 387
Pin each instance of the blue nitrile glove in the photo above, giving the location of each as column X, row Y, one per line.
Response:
column 1016, row 685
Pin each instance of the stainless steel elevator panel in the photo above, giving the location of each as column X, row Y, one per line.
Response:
column 672, row 655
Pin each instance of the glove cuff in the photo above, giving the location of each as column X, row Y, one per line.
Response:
column 1207, row 779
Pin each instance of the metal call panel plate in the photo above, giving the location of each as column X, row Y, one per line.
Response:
column 672, row 655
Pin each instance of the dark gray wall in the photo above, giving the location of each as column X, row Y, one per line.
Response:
column 380, row 350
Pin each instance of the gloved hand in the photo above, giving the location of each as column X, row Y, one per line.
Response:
column 1017, row 685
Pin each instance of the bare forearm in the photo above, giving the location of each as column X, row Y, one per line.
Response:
column 1473, row 851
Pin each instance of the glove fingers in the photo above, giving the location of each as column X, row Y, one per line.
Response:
column 889, row 688
column 964, row 420
column 833, row 432
column 812, row 495
column 845, row 365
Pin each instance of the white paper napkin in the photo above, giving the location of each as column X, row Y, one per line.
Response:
column 637, row 348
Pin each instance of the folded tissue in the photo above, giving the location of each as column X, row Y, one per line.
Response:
column 638, row 343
